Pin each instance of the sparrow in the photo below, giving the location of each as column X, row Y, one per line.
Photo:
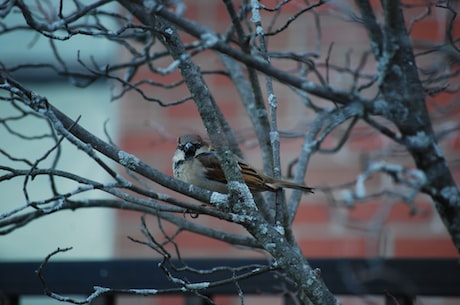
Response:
column 195, row 162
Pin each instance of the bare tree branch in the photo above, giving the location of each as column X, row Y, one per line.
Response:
column 383, row 96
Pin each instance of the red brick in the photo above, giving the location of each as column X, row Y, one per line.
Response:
column 222, row 81
column 190, row 244
column 427, row 29
column 444, row 100
column 312, row 213
column 344, row 35
column 169, row 299
column 221, row 16
column 455, row 142
column 226, row 300
column 399, row 212
column 138, row 142
column 424, row 247
column 334, row 247
column 193, row 242
column 193, row 10
column 185, row 110
column 363, row 212
column 375, row 4
column 139, row 139
column 456, row 175
column 229, row 104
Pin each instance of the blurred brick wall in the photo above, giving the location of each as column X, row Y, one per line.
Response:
column 369, row 229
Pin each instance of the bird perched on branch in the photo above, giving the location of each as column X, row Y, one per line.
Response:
column 196, row 163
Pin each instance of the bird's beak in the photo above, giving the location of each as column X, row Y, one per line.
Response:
column 188, row 146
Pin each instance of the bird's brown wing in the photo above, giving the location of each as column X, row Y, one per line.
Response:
column 253, row 179
column 211, row 163
column 259, row 182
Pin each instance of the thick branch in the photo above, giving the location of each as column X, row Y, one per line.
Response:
column 401, row 87
column 289, row 258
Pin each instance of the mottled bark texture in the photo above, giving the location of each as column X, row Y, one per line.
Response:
column 404, row 105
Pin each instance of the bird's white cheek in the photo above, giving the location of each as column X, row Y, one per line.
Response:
column 177, row 163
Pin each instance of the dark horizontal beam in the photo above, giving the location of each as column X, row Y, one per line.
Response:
column 429, row 277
